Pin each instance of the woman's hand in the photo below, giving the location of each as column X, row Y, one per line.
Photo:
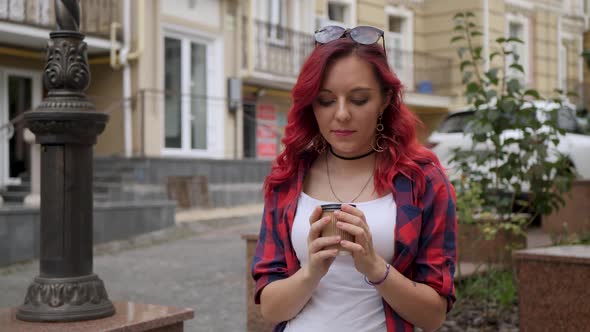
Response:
column 366, row 260
column 319, row 259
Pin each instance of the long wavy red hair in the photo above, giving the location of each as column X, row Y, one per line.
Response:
column 403, row 152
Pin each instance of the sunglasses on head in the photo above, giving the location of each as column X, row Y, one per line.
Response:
column 364, row 35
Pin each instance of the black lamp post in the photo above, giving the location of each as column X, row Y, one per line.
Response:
column 66, row 125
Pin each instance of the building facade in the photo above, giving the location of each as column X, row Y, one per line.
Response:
column 24, row 31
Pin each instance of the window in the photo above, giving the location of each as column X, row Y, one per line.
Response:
column 395, row 41
column 276, row 17
column 185, row 104
column 172, row 82
column 399, row 34
column 337, row 12
column 518, row 28
column 562, row 73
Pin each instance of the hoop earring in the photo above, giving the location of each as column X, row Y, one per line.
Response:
column 319, row 144
column 376, row 145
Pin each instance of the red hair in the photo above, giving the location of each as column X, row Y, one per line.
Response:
column 403, row 152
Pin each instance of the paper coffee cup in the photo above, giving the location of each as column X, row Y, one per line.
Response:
column 331, row 229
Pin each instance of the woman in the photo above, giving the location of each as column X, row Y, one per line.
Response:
column 350, row 139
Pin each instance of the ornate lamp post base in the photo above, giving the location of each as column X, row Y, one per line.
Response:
column 66, row 125
column 66, row 299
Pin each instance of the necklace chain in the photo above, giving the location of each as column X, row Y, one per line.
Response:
column 332, row 189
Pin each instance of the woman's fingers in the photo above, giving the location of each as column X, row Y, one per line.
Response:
column 315, row 214
column 351, row 218
column 319, row 243
column 325, row 254
column 316, row 228
column 352, row 247
column 352, row 229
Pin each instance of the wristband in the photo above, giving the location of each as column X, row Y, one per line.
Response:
column 382, row 279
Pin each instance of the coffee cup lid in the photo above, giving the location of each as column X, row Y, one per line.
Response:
column 332, row 207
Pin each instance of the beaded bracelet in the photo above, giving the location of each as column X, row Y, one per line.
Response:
column 380, row 281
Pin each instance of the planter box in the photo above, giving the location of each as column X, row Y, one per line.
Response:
column 473, row 247
column 573, row 219
column 553, row 288
column 255, row 322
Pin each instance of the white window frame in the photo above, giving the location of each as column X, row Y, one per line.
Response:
column 215, row 93
column 562, row 76
column 407, row 40
column 278, row 19
column 351, row 19
column 525, row 59
column 261, row 9
column 36, row 95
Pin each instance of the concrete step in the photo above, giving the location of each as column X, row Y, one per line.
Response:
column 228, row 195
column 14, row 196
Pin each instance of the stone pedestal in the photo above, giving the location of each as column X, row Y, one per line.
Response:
column 132, row 317
column 572, row 221
column 474, row 248
column 553, row 288
column 255, row 322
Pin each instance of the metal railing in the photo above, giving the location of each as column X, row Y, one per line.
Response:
column 96, row 16
column 281, row 51
column 421, row 72
column 277, row 50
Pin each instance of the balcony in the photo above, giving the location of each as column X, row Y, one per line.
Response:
column 421, row 72
column 95, row 15
column 277, row 54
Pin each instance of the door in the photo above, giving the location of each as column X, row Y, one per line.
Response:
column 19, row 92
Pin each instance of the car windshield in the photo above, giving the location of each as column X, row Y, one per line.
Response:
column 455, row 123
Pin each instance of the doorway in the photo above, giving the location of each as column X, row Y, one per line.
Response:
column 20, row 91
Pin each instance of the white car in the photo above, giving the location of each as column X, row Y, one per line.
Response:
column 451, row 134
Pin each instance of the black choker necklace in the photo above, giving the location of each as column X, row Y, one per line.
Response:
column 351, row 158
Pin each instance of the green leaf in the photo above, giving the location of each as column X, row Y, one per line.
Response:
column 514, row 40
column 558, row 91
column 469, row 14
column 533, row 93
column 459, row 15
column 501, row 40
column 491, row 94
column 515, row 56
column 472, row 87
column 494, row 54
column 517, row 67
column 457, row 38
column 477, row 51
column 476, row 33
column 465, row 63
column 459, row 27
column 572, row 94
column 513, row 86
column 492, row 75
column 467, row 76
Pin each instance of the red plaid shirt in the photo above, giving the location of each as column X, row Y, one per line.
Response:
column 425, row 237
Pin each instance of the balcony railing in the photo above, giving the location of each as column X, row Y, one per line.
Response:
column 280, row 51
column 95, row 15
column 277, row 50
column 421, row 72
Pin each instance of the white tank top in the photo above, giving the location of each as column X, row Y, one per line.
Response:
column 343, row 301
